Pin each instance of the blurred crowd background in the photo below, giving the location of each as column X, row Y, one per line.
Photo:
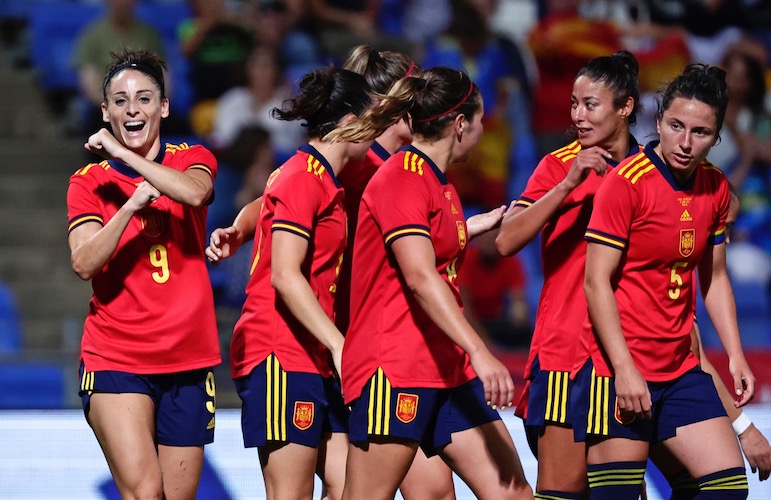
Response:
column 232, row 61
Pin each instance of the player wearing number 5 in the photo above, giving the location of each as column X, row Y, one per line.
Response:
column 137, row 222
column 658, row 218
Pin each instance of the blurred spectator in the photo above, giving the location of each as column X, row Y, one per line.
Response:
column 744, row 150
column 119, row 28
column 494, row 294
column 561, row 43
column 252, row 103
column 342, row 24
column 415, row 20
column 497, row 66
column 216, row 44
column 279, row 24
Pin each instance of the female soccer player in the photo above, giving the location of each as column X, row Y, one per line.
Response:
column 136, row 222
column 285, row 342
column 557, row 202
column 428, row 478
column 658, row 217
column 414, row 371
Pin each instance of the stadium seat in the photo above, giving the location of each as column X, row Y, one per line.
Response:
column 32, row 386
column 54, row 28
column 10, row 328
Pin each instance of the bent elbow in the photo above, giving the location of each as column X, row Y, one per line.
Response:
column 83, row 272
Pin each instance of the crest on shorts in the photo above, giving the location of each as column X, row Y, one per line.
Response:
column 624, row 417
column 687, row 238
column 406, row 407
column 152, row 222
column 303, row 414
column 461, row 225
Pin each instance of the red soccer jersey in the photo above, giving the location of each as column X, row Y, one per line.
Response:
column 152, row 310
column 302, row 197
column 489, row 281
column 408, row 196
column 663, row 230
column 354, row 178
column 562, row 305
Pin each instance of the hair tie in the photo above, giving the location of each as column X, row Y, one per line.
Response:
column 462, row 101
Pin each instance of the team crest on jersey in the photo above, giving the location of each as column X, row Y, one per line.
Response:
column 461, row 233
column 625, row 417
column 406, row 407
column 303, row 414
column 687, row 239
column 152, row 222
column 448, row 195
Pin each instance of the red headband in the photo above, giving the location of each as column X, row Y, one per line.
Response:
column 409, row 71
column 462, row 101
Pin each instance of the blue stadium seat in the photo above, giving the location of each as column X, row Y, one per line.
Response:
column 54, row 28
column 31, row 386
column 10, row 327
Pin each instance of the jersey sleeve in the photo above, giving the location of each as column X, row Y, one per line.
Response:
column 401, row 206
column 723, row 197
column 549, row 172
column 297, row 199
column 200, row 158
column 82, row 203
column 614, row 207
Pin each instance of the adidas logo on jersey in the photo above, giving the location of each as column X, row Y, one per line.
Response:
column 210, row 425
column 686, row 216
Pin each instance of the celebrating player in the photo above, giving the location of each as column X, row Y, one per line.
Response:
column 136, row 223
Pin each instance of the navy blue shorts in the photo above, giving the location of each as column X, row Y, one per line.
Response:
column 184, row 402
column 428, row 416
column 548, row 402
column 290, row 407
column 688, row 399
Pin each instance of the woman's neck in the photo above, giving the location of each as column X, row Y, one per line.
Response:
column 439, row 151
column 336, row 154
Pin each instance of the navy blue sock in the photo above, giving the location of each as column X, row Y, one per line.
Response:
column 616, row 480
column 684, row 487
column 729, row 484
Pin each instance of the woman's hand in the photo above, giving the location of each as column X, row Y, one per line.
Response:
column 223, row 243
column 744, row 380
column 104, row 144
column 496, row 378
column 594, row 158
column 481, row 223
column 632, row 393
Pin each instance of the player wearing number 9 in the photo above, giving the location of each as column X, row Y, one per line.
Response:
column 136, row 228
column 659, row 217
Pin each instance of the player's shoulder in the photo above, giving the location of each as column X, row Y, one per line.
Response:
column 711, row 170
column 92, row 171
column 635, row 170
column 566, row 153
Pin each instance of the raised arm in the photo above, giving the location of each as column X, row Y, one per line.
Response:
column 521, row 224
column 192, row 187
column 631, row 389
column 417, row 262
